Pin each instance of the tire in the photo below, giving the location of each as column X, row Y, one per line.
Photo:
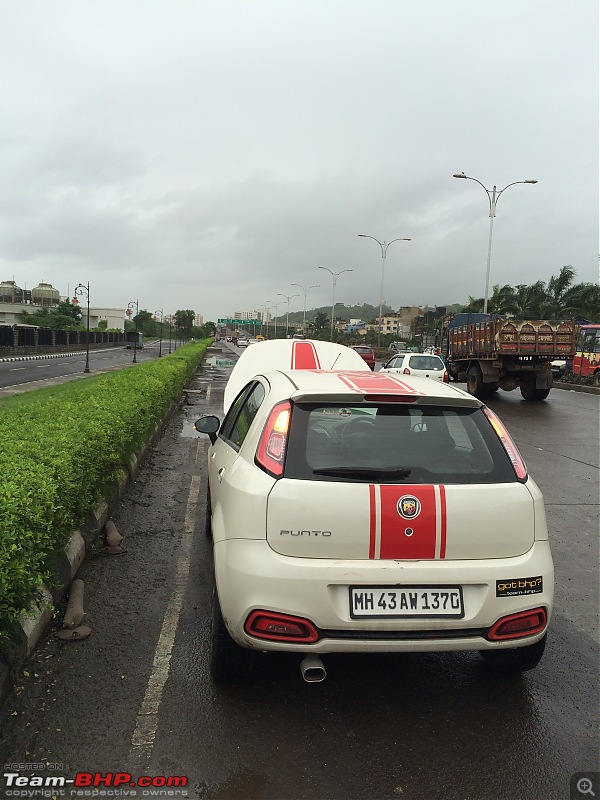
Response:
column 228, row 661
column 475, row 385
column 208, row 517
column 517, row 659
column 529, row 392
column 597, row 378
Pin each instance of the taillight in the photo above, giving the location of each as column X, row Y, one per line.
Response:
column 270, row 454
column 508, row 444
column 515, row 626
column 280, row 627
column 406, row 371
column 446, row 376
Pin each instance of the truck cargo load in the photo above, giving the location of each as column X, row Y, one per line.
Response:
column 491, row 352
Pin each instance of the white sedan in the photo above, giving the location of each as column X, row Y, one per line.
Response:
column 421, row 365
column 354, row 511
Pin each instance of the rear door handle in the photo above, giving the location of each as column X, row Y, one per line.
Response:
column 220, row 473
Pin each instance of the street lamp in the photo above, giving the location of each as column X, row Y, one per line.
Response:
column 170, row 319
column 81, row 289
column 334, row 276
column 161, row 331
column 134, row 304
column 264, row 311
column 493, row 197
column 384, row 247
column 314, row 286
column 275, row 305
column 288, row 297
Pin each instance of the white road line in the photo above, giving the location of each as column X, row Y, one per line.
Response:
column 16, row 369
column 147, row 719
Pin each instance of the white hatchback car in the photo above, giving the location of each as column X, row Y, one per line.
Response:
column 422, row 365
column 355, row 511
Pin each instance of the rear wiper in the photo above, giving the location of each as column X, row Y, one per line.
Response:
column 366, row 472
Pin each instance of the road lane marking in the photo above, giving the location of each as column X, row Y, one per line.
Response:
column 16, row 369
column 147, row 719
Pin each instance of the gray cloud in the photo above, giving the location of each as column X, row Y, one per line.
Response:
column 209, row 154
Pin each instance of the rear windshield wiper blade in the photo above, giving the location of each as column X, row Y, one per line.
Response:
column 368, row 472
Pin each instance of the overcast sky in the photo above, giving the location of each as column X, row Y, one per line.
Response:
column 209, row 154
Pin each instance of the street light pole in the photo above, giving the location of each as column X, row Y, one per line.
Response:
column 334, row 276
column 305, row 290
column 170, row 318
column 85, row 289
column 275, row 306
column 493, row 197
column 135, row 303
column 288, row 297
column 161, row 332
column 384, row 247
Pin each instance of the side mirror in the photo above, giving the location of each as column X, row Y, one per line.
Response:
column 209, row 425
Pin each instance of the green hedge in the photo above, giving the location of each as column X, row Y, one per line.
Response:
column 61, row 448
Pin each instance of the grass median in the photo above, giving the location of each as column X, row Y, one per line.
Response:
column 62, row 447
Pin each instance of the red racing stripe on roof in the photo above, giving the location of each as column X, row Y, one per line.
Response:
column 304, row 356
column 366, row 382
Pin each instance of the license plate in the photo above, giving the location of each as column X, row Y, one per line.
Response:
column 406, row 601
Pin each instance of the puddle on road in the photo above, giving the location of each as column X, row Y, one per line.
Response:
column 188, row 429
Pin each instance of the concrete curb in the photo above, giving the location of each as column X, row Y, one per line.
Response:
column 576, row 387
column 37, row 358
column 46, row 356
column 29, row 628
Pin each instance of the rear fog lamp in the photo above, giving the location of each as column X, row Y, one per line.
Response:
column 280, row 627
column 515, row 626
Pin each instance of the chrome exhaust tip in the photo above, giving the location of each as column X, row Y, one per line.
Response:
column 312, row 669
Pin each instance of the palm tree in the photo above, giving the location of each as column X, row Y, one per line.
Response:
column 557, row 303
column 502, row 300
column 528, row 300
column 584, row 299
column 474, row 306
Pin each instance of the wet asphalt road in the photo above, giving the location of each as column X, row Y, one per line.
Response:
column 136, row 696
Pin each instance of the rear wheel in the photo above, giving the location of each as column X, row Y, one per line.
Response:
column 475, row 385
column 228, row 661
column 529, row 392
column 517, row 659
column 597, row 378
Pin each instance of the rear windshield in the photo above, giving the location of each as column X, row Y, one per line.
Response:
column 432, row 363
column 395, row 444
column 363, row 349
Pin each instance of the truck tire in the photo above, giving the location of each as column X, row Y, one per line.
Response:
column 529, row 392
column 597, row 378
column 475, row 385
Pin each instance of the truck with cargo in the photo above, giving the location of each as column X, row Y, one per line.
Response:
column 491, row 352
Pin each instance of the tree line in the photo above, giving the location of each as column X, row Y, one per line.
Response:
column 560, row 298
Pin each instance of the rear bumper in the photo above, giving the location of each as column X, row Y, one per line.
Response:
column 251, row 576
